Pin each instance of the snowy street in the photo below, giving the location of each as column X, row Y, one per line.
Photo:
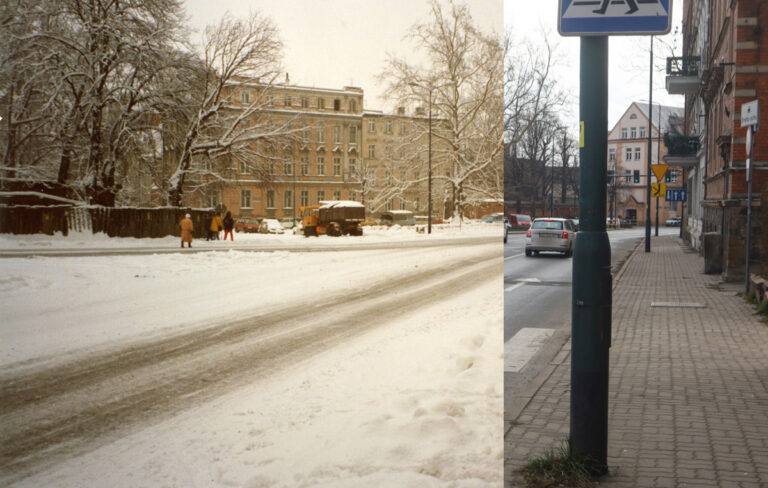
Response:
column 251, row 368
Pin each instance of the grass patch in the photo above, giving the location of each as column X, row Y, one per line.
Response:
column 558, row 468
column 751, row 296
column 762, row 308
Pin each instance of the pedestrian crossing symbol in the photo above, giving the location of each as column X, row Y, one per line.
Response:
column 614, row 17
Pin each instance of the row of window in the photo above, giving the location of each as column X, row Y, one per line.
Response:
column 245, row 97
column 627, row 154
column 288, row 200
column 319, row 166
column 632, row 133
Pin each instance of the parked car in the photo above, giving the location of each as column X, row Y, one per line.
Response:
column 550, row 234
column 397, row 217
column 491, row 218
column 674, row 222
column 519, row 221
column 271, row 226
column 575, row 223
column 247, row 225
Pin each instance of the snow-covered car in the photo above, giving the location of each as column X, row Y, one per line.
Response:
column 271, row 226
column 550, row 234
column 491, row 218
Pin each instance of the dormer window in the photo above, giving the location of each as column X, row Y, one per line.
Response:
column 336, row 104
column 353, row 106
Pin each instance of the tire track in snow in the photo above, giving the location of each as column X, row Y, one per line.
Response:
column 60, row 412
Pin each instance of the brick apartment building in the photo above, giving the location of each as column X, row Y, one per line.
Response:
column 628, row 156
column 724, row 65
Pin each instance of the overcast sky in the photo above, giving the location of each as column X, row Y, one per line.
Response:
column 628, row 60
column 335, row 43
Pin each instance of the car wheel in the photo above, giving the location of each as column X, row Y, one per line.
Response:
column 528, row 253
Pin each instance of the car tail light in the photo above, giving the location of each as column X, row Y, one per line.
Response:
column 528, row 234
column 564, row 236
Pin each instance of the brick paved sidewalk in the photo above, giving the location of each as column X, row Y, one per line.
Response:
column 688, row 399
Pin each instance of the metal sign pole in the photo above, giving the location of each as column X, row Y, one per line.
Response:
column 591, row 291
column 648, row 181
column 750, row 146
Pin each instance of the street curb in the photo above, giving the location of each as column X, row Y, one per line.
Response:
column 557, row 353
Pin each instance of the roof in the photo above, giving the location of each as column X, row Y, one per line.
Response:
column 340, row 203
column 671, row 117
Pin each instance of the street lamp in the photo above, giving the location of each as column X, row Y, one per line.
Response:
column 429, row 88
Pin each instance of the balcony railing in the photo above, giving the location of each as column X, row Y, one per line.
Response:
column 681, row 145
column 683, row 66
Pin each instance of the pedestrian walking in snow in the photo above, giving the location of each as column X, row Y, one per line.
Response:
column 229, row 224
column 216, row 226
column 186, row 230
column 208, row 221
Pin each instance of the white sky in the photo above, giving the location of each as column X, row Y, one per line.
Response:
column 335, row 43
column 627, row 63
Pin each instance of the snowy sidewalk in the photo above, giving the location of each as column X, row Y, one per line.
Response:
column 688, row 394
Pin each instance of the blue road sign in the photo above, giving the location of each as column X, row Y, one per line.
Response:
column 614, row 17
column 676, row 196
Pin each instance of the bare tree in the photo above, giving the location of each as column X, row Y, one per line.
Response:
column 463, row 82
column 239, row 56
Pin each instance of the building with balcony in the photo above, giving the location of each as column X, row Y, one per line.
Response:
column 628, row 162
column 724, row 46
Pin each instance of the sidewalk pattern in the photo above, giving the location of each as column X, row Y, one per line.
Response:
column 688, row 393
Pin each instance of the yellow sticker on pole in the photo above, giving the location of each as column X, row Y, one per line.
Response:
column 581, row 134
column 658, row 190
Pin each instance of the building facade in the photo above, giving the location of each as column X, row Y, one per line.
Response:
column 628, row 163
column 326, row 147
column 724, row 65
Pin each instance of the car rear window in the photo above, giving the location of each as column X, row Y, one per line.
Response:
column 524, row 218
column 548, row 224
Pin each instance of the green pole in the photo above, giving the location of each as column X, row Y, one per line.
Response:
column 591, row 295
column 648, row 171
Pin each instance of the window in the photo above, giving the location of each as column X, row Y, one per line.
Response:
column 402, row 204
column 321, row 133
column 288, row 199
column 628, row 154
column 402, row 128
column 336, row 104
column 321, row 165
column 352, row 135
column 633, row 133
column 320, row 195
column 337, row 194
column 271, row 168
column 612, row 154
column 389, row 205
column 352, row 166
column 305, row 136
column 633, row 116
column 336, row 134
column 304, row 102
column 416, row 173
column 352, row 196
column 287, row 100
column 371, row 125
column 627, row 176
column 212, row 200
column 288, row 167
column 271, row 101
column 321, row 103
column 371, row 151
column 642, row 132
column 416, row 204
column 637, row 154
column 270, row 198
column 245, row 198
column 353, row 106
column 623, row 132
column 304, row 198
column 244, row 97
column 388, row 127
column 673, row 175
column 304, row 166
column 337, row 167
column 244, row 168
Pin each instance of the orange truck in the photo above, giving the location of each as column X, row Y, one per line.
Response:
column 333, row 218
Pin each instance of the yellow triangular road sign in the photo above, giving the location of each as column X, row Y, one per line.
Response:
column 659, row 170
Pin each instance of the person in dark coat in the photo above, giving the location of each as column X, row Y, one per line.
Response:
column 229, row 224
column 208, row 221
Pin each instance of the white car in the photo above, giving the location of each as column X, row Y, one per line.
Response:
column 271, row 226
column 550, row 234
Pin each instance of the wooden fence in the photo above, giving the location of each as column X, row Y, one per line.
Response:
column 115, row 222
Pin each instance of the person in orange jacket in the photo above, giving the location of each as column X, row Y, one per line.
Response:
column 186, row 230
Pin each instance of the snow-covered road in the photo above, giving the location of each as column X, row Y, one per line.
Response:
column 254, row 369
